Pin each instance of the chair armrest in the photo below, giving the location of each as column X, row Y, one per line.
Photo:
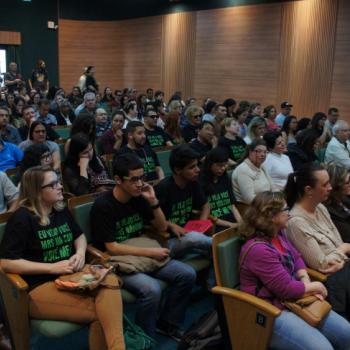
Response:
column 249, row 299
column 16, row 280
column 94, row 253
column 316, row 275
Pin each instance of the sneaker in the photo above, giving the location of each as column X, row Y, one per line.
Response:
column 169, row 330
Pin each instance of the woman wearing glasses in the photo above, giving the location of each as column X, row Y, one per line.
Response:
column 250, row 177
column 272, row 269
column 41, row 242
column 194, row 117
column 314, row 234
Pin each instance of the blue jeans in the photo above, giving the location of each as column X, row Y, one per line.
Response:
column 191, row 242
column 291, row 332
column 180, row 277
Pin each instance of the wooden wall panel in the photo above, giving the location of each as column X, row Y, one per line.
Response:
column 178, row 53
column 125, row 53
column 237, row 53
column 341, row 73
column 10, row 38
column 307, row 49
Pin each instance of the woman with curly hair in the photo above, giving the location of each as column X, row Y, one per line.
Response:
column 272, row 269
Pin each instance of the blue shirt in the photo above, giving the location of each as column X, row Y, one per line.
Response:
column 11, row 134
column 50, row 119
column 10, row 156
column 279, row 120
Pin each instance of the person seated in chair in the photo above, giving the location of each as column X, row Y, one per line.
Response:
column 42, row 242
column 179, row 195
column 119, row 215
column 272, row 269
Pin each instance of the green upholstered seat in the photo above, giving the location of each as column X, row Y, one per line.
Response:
column 163, row 157
column 54, row 329
column 228, row 257
column 81, row 215
column 62, row 154
column 198, row 262
column 63, row 132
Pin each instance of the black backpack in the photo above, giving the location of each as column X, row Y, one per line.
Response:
column 204, row 334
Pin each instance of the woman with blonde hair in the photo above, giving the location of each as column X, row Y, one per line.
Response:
column 256, row 129
column 272, row 269
column 194, row 116
column 41, row 242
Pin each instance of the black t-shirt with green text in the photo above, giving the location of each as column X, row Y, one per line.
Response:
column 235, row 148
column 149, row 158
column 113, row 221
column 25, row 238
column 157, row 137
column 177, row 203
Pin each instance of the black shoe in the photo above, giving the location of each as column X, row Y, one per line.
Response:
column 169, row 330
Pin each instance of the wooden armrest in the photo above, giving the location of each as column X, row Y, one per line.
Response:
column 96, row 253
column 248, row 298
column 16, row 280
column 149, row 230
column 316, row 275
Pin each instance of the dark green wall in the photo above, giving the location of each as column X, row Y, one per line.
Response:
column 30, row 18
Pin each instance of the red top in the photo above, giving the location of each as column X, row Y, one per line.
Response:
column 277, row 244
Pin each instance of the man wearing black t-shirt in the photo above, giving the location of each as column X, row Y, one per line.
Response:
column 179, row 195
column 155, row 135
column 205, row 140
column 136, row 137
column 121, row 214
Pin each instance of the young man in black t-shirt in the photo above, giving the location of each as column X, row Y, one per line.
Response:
column 121, row 214
column 205, row 140
column 155, row 135
column 179, row 195
column 136, row 137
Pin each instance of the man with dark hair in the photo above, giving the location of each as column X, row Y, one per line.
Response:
column 131, row 113
column 155, row 135
column 286, row 108
column 121, row 214
column 136, row 138
column 332, row 118
column 10, row 155
column 205, row 141
column 149, row 95
column 179, row 195
column 8, row 132
column 13, row 80
column 43, row 114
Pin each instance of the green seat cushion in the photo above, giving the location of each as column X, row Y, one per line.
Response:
column 81, row 215
column 54, row 329
column 228, row 257
column 196, row 261
column 62, row 154
column 64, row 133
column 163, row 157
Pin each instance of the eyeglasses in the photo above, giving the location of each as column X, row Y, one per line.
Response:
column 153, row 116
column 285, row 209
column 53, row 185
column 197, row 116
column 135, row 179
column 46, row 156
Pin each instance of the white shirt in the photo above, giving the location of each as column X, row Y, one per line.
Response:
column 338, row 153
column 278, row 166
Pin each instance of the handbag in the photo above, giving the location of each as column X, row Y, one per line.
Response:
column 89, row 278
column 309, row 308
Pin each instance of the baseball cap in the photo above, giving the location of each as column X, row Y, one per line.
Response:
column 286, row 104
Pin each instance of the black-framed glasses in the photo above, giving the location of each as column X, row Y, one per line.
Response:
column 135, row 179
column 46, row 156
column 154, row 116
column 53, row 184
column 285, row 209
column 198, row 116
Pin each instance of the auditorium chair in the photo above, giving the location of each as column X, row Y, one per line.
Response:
column 163, row 157
column 61, row 144
column 249, row 319
column 63, row 131
column 25, row 332
column 13, row 175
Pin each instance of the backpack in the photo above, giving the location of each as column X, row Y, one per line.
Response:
column 135, row 338
column 204, row 334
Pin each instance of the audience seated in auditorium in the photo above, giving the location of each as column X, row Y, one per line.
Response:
column 37, row 135
column 220, row 113
column 231, row 142
column 64, row 114
column 131, row 113
column 43, row 114
column 156, row 137
column 272, row 269
column 332, row 118
column 230, row 105
column 241, row 115
column 338, row 149
column 16, row 119
column 112, row 139
column 288, row 129
column 179, row 195
column 27, row 231
column 318, row 123
column 313, row 233
column 277, row 164
column 338, row 202
column 175, row 106
column 194, row 116
column 172, row 128
column 250, row 177
column 121, row 214
column 8, row 132
column 88, row 106
column 270, row 115
column 10, row 155
column 83, row 170
column 136, row 137
column 253, row 112
column 286, row 109
column 75, row 98
column 303, row 124
column 102, row 122
column 216, row 185
column 205, row 140
column 303, row 151
column 8, row 194
column 256, row 129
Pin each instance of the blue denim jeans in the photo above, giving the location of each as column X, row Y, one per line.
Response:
column 191, row 242
column 291, row 332
column 180, row 278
